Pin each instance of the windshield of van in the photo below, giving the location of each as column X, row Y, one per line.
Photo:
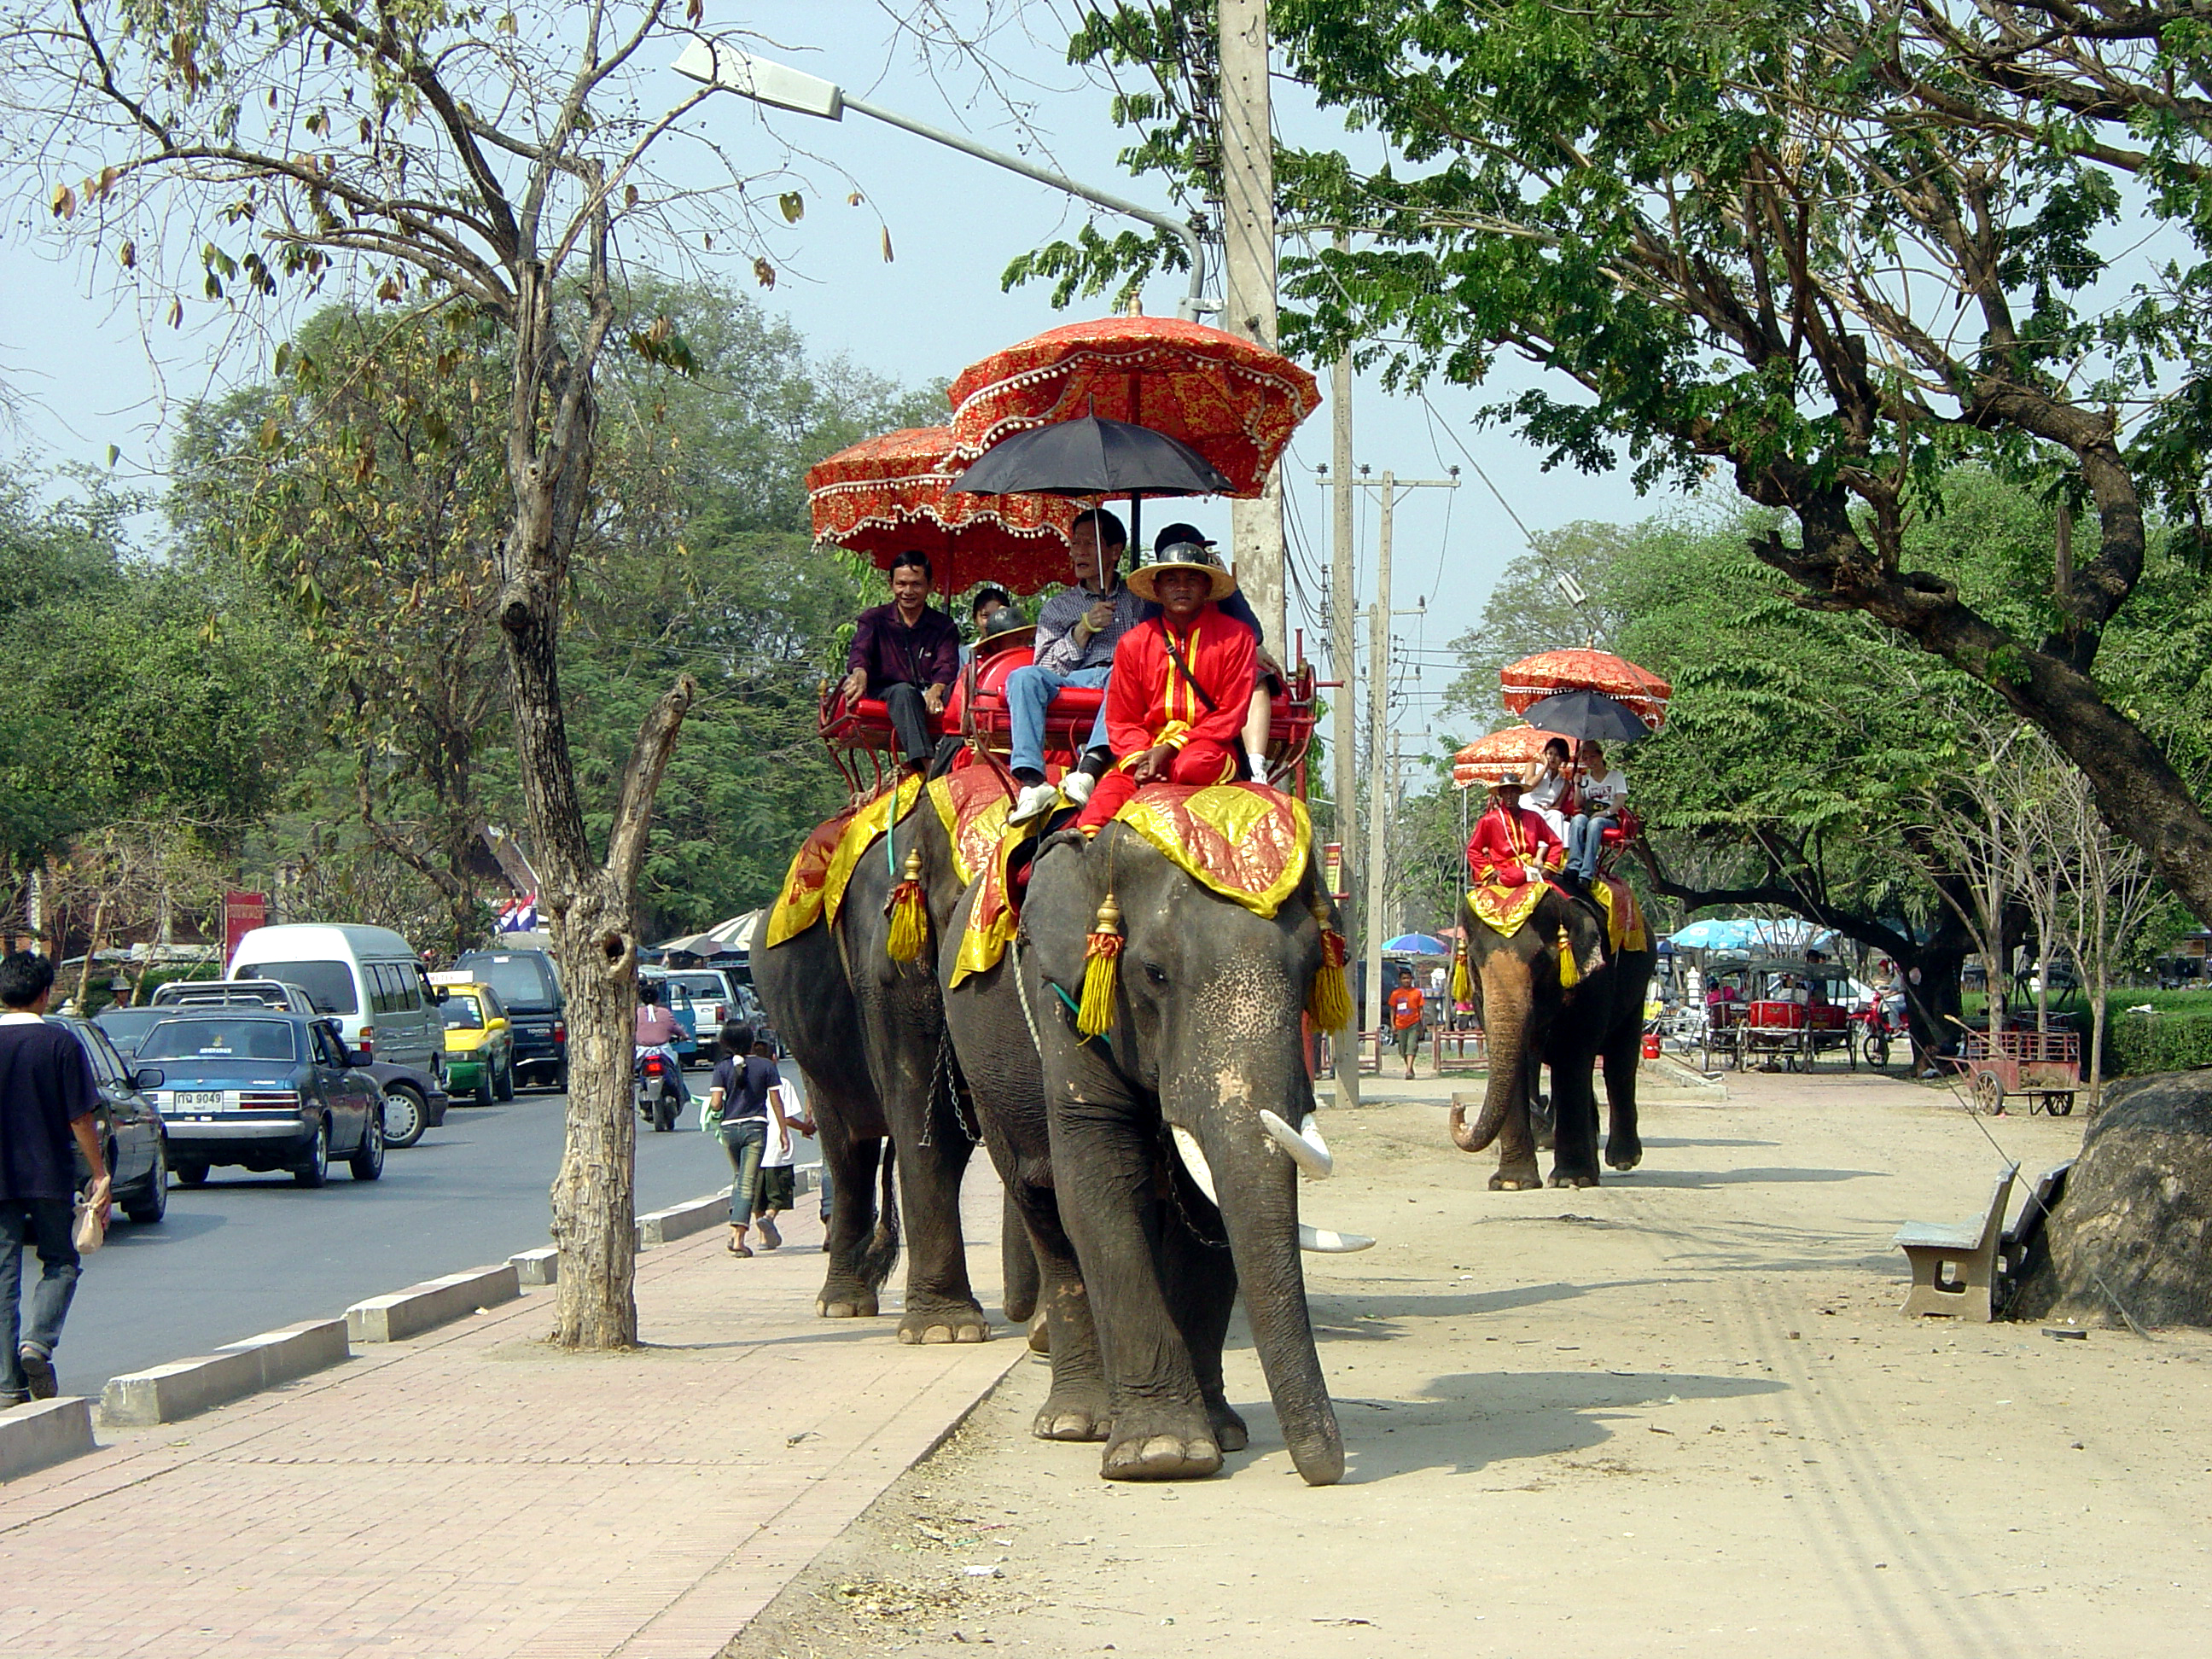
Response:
column 522, row 982
column 219, row 1039
column 328, row 985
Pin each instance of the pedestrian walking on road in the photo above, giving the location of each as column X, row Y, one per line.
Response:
column 778, row 1187
column 47, row 1098
column 1406, row 1009
column 742, row 1081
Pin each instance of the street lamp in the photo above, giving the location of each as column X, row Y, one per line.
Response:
column 716, row 64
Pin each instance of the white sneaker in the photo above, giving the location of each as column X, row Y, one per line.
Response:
column 1076, row 787
column 1034, row 802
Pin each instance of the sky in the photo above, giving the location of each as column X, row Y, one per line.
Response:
column 88, row 376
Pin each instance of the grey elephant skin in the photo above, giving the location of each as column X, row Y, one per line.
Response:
column 868, row 1035
column 1529, row 1019
column 1206, row 1033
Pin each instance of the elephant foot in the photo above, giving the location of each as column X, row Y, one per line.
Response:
column 1073, row 1412
column 1228, row 1431
column 1516, row 1177
column 1040, row 1334
column 959, row 1322
column 1624, row 1157
column 1159, row 1443
column 1572, row 1178
column 846, row 1304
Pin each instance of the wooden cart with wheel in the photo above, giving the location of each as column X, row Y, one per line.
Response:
column 2042, row 1067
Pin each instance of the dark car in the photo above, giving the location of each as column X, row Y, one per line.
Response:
column 129, row 1128
column 526, row 984
column 270, row 1090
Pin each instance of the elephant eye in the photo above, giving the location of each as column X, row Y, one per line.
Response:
column 1154, row 972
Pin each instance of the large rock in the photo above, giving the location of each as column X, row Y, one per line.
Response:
column 2136, row 1218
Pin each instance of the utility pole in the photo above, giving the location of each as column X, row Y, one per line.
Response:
column 1247, row 200
column 1344, row 708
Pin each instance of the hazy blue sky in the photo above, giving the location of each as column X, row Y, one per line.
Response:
column 76, row 354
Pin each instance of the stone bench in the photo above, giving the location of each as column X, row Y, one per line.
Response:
column 1955, row 1268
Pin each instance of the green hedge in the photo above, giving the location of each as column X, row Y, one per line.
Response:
column 2135, row 1043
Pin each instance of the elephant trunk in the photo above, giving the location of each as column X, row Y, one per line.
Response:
column 1505, row 1029
column 1257, row 1181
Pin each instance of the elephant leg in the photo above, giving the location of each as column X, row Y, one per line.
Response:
column 940, row 1305
column 1623, row 1054
column 1077, row 1408
column 1017, row 1263
column 1104, row 1175
column 1517, row 1170
column 1200, row 1280
column 1574, row 1112
column 858, row 1258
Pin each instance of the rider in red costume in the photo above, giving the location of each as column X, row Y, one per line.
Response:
column 1511, row 846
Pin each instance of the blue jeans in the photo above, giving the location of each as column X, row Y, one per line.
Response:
column 1030, row 692
column 45, row 1222
column 1585, row 840
column 745, row 1138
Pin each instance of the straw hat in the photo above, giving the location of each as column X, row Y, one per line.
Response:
column 1182, row 555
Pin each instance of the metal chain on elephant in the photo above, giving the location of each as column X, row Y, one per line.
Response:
column 944, row 1085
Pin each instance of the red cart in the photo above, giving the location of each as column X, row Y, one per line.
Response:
column 2043, row 1067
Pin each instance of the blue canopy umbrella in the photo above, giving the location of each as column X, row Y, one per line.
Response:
column 1784, row 937
column 1416, row 945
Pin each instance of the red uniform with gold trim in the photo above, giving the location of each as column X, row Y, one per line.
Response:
column 1504, row 844
column 1150, row 701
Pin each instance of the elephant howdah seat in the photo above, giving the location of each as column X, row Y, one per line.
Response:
column 1955, row 1268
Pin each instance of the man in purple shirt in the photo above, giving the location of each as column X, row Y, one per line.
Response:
column 908, row 655
column 47, row 1098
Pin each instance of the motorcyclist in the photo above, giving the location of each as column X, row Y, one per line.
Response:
column 657, row 1032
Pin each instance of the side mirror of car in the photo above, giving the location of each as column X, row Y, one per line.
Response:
column 148, row 1077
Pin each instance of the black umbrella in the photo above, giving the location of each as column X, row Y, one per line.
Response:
column 1093, row 456
column 1586, row 714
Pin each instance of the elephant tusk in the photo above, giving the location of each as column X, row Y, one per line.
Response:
column 1304, row 1144
column 1194, row 1161
column 1324, row 1242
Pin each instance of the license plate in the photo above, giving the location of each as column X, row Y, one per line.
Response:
column 197, row 1100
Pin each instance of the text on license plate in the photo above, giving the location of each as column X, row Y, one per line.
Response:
column 198, row 1100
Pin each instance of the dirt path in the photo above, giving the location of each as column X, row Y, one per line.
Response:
column 1680, row 1414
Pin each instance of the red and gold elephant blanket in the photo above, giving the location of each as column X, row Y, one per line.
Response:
column 815, row 883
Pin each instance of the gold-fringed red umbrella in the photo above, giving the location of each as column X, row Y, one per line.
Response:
column 1517, row 745
column 886, row 495
column 1532, row 679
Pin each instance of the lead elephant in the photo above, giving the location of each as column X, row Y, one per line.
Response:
column 1535, row 1013
column 1171, row 1182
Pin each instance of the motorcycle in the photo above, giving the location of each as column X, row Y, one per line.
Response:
column 1877, row 1026
column 657, row 1090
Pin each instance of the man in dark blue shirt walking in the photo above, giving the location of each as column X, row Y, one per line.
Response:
column 47, row 1098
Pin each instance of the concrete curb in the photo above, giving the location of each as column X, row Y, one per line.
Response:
column 42, row 1433
column 682, row 1220
column 433, row 1303
column 186, row 1387
column 541, row 1266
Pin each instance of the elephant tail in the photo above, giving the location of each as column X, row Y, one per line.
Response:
column 1473, row 1138
column 883, row 1252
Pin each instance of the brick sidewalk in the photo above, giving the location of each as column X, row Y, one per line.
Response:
column 475, row 1493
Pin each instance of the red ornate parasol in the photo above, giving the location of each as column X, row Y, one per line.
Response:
column 1533, row 678
column 1517, row 745
column 1235, row 403
column 887, row 494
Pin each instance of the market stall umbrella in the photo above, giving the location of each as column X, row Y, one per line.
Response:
column 1528, row 682
column 1235, row 402
column 1416, row 945
column 1517, row 745
column 1588, row 716
column 889, row 494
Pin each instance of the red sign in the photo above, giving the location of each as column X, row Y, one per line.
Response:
column 1332, row 869
column 242, row 913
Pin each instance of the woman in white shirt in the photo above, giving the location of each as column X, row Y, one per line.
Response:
column 1544, row 784
column 1601, row 796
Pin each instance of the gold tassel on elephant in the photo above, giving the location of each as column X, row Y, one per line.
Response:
column 1329, row 1001
column 1101, row 951
column 909, row 913
column 1570, row 973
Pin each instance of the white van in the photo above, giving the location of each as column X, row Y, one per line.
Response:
column 366, row 978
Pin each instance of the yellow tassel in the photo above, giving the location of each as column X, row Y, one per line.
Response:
column 1463, row 981
column 1101, row 953
column 908, row 912
column 1329, row 1001
column 1570, row 973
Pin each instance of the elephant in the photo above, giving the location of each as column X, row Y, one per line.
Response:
column 1162, row 1152
column 868, row 1034
column 1530, row 1019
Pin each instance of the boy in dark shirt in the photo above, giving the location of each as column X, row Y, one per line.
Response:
column 742, row 1081
column 47, row 1098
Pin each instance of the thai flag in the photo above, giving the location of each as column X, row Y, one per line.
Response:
column 519, row 916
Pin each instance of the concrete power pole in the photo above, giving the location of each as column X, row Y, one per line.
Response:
column 1378, row 724
column 1247, row 198
column 1344, row 707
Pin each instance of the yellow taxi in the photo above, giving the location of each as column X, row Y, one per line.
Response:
column 479, row 1038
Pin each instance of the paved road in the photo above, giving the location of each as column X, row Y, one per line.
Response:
column 248, row 1253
